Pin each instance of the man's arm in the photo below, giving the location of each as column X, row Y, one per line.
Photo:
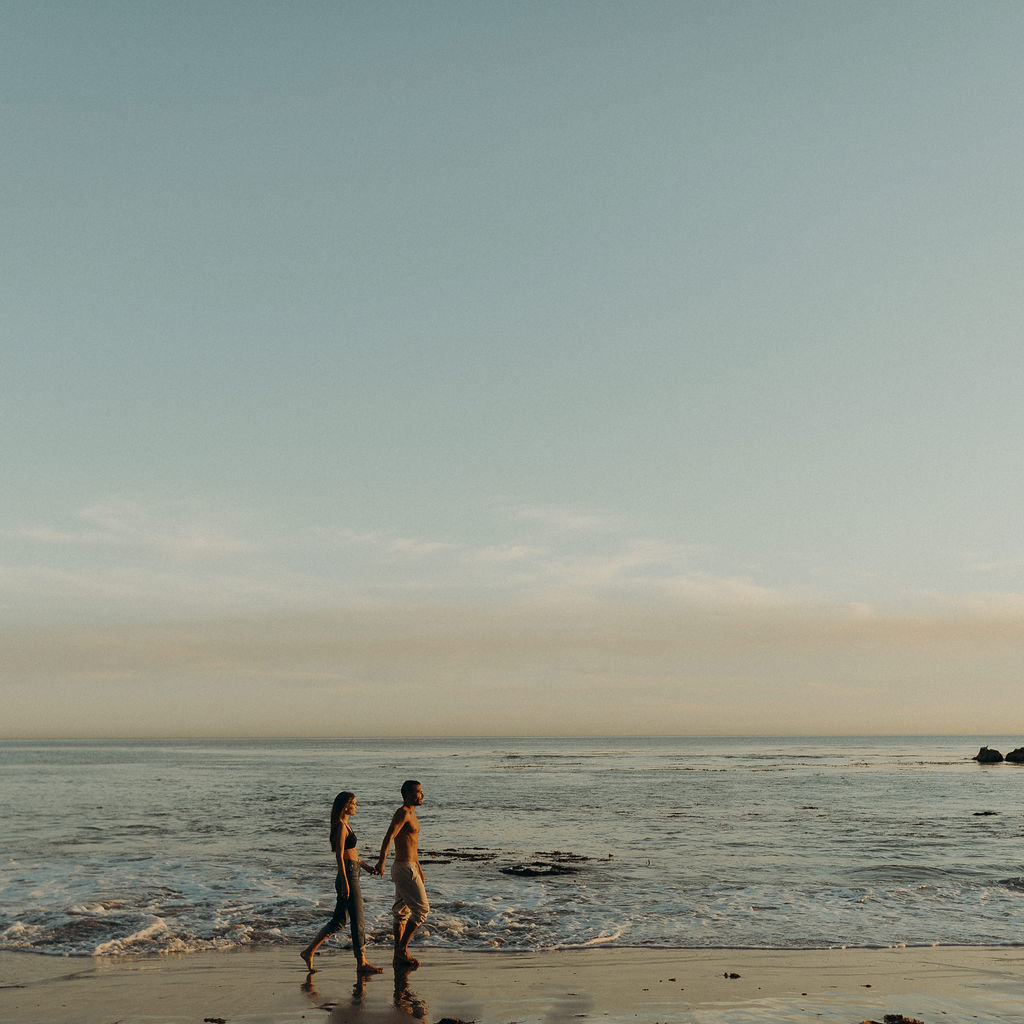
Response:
column 397, row 822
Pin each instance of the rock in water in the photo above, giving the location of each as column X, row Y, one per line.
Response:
column 987, row 756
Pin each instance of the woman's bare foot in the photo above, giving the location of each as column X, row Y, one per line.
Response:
column 307, row 958
column 404, row 960
column 367, row 968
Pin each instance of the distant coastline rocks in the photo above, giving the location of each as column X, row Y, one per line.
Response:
column 987, row 755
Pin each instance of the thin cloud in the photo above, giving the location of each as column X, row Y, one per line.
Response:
column 566, row 519
column 504, row 554
column 49, row 536
column 380, row 540
column 418, row 548
column 183, row 530
column 985, row 604
column 340, row 536
column 135, row 561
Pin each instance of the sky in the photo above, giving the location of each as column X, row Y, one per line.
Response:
column 511, row 368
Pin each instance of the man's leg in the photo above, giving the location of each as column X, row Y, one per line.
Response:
column 402, row 939
column 400, row 913
column 410, row 909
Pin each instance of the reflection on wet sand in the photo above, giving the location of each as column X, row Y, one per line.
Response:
column 339, row 1011
column 405, row 999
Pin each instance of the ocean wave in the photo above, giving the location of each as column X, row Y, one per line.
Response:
column 668, row 844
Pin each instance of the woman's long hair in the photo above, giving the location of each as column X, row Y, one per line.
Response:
column 340, row 803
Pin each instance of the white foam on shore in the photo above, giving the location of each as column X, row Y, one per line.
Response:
column 157, row 929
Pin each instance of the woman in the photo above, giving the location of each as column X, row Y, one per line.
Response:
column 350, row 899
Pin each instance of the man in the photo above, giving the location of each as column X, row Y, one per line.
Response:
column 411, row 906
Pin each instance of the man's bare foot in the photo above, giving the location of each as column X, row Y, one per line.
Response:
column 367, row 968
column 307, row 959
column 404, row 960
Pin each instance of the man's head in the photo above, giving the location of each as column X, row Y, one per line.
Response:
column 412, row 792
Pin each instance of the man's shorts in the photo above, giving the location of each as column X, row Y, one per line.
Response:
column 410, row 896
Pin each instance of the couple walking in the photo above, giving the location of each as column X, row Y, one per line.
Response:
column 410, row 907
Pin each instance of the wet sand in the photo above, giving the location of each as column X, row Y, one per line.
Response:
column 615, row 986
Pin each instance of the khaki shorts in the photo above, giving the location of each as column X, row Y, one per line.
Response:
column 410, row 896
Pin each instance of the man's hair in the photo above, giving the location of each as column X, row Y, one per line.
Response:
column 408, row 788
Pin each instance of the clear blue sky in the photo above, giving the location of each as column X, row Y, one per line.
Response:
column 511, row 367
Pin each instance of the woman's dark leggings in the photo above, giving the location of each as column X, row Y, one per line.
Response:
column 352, row 907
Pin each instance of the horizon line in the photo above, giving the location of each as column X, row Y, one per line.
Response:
column 498, row 736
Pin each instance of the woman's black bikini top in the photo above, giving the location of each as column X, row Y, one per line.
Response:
column 350, row 839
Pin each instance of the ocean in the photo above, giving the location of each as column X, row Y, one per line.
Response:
column 159, row 846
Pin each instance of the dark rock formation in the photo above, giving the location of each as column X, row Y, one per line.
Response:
column 447, row 856
column 538, row 869
column 987, row 756
column 1016, row 756
column 895, row 1018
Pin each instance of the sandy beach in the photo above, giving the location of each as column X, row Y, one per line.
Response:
column 615, row 986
